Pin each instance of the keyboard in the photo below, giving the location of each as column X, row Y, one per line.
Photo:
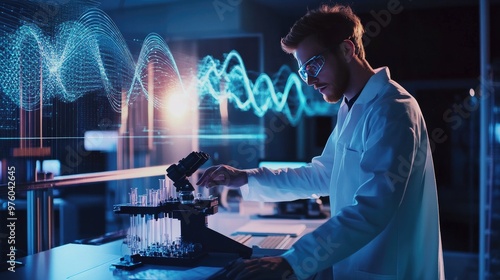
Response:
column 242, row 238
column 275, row 242
column 265, row 242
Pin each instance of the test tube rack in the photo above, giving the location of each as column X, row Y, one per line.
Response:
column 152, row 212
column 196, row 238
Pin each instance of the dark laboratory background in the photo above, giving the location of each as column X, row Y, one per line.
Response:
column 431, row 47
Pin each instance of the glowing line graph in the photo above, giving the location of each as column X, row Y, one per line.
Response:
column 90, row 55
column 221, row 81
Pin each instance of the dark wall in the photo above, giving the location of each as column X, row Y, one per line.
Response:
column 432, row 44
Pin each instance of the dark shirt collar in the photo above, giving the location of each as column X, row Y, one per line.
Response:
column 351, row 102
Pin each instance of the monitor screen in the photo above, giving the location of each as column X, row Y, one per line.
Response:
column 281, row 164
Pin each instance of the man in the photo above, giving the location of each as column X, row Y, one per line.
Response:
column 376, row 167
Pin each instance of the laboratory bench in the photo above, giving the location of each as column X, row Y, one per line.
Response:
column 96, row 262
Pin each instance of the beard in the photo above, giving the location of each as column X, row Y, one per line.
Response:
column 341, row 79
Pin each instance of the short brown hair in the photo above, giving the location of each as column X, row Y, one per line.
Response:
column 330, row 24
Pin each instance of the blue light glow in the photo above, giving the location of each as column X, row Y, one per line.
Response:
column 222, row 81
column 90, row 55
column 82, row 57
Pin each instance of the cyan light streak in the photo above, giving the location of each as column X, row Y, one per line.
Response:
column 222, row 81
column 90, row 56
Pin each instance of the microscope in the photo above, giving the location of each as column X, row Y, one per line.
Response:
column 151, row 217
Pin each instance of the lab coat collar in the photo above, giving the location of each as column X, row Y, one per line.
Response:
column 372, row 88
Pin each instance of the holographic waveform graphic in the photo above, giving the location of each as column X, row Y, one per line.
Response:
column 90, row 56
column 229, row 80
column 85, row 56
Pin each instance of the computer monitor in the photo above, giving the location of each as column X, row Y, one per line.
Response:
column 281, row 164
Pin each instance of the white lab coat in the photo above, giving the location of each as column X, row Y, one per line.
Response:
column 377, row 169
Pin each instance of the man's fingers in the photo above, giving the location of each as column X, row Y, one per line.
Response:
column 205, row 177
column 222, row 175
column 212, row 177
column 245, row 269
column 235, row 268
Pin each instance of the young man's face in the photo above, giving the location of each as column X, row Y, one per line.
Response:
column 333, row 77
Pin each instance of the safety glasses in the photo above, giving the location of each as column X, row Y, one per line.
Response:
column 312, row 67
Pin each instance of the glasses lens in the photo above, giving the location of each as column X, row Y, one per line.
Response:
column 302, row 73
column 312, row 67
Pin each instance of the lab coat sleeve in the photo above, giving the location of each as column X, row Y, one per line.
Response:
column 391, row 136
column 289, row 184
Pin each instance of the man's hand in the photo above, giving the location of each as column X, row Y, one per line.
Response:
column 260, row 268
column 223, row 175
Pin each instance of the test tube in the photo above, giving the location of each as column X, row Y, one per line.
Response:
column 175, row 229
column 169, row 224
column 154, row 198
column 151, row 230
column 133, row 196
column 162, row 231
column 130, row 235
column 136, row 234
column 143, row 200
column 162, row 188
column 155, row 221
column 161, row 219
column 149, row 193
column 147, row 236
column 132, row 238
column 143, row 230
column 144, row 234
column 171, row 192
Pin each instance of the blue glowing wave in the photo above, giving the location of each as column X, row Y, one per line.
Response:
column 90, row 55
column 230, row 80
column 84, row 56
